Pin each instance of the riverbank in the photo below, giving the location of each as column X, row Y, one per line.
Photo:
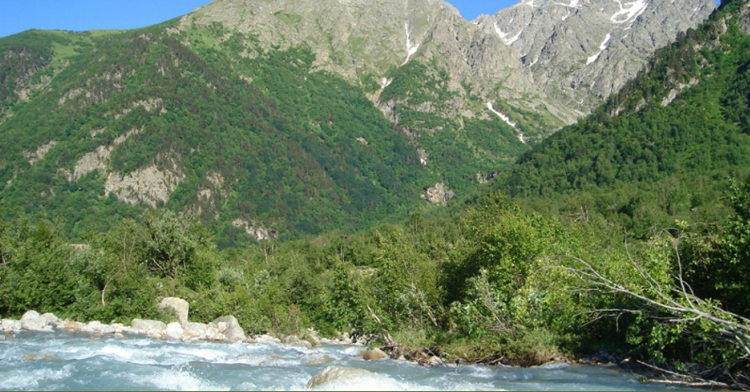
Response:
column 223, row 329
column 226, row 330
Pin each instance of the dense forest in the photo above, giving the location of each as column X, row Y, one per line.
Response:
column 628, row 232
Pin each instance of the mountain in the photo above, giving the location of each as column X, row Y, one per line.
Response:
column 582, row 51
column 664, row 146
column 267, row 118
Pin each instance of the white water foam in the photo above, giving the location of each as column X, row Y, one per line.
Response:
column 25, row 379
column 177, row 380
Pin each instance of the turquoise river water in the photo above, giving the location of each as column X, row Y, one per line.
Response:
column 61, row 361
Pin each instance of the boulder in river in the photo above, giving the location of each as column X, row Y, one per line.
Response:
column 374, row 355
column 195, row 330
column 296, row 342
column 10, row 326
column 230, row 328
column 72, row 326
column 32, row 321
column 174, row 331
column 180, row 307
column 336, row 373
column 147, row 326
column 52, row 320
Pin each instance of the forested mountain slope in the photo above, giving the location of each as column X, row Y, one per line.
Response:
column 265, row 119
column 667, row 142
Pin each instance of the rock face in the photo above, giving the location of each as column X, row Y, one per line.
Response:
column 581, row 51
column 336, row 373
column 180, row 307
column 438, row 194
column 230, row 328
column 368, row 39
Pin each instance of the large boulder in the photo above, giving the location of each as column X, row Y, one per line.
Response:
column 180, row 307
column 195, row 330
column 147, row 326
column 10, row 326
column 97, row 327
column 374, row 355
column 296, row 342
column 174, row 331
column 337, row 373
column 32, row 321
column 51, row 319
column 230, row 328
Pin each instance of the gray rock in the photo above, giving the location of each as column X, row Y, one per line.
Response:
column 374, row 355
column 52, row 320
column 438, row 194
column 196, row 330
column 296, row 342
column 98, row 327
column 230, row 328
column 174, row 331
column 30, row 315
column 147, row 326
column 32, row 321
column 336, row 373
column 10, row 326
column 180, row 306
column 583, row 51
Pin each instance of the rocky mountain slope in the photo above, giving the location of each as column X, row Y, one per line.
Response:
column 265, row 118
column 581, row 51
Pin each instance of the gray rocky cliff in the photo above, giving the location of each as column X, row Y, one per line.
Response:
column 581, row 51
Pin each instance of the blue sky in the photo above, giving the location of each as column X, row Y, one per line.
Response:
column 78, row 15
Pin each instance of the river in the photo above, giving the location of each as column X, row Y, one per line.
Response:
column 63, row 361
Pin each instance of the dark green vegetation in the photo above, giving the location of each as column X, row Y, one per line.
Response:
column 626, row 232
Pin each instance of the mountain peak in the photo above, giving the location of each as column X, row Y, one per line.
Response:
column 584, row 50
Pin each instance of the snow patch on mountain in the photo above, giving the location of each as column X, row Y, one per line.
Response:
column 602, row 48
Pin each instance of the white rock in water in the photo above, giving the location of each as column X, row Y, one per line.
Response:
column 30, row 315
column 10, row 326
column 31, row 321
column 174, row 331
column 349, row 379
column 147, row 326
column 51, row 319
column 229, row 327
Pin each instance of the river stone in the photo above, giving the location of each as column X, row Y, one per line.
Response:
column 230, row 328
column 72, row 326
column 266, row 339
column 31, row 321
column 296, row 342
column 174, row 331
column 147, row 326
column 51, row 319
column 336, row 373
column 374, row 355
column 11, row 326
column 318, row 360
column 195, row 330
column 30, row 315
column 180, row 306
